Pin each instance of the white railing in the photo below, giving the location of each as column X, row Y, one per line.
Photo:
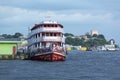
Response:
column 46, row 38
column 52, row 29
column 51, row 38
column 46, row 30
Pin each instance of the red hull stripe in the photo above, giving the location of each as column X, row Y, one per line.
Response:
column 49, row 57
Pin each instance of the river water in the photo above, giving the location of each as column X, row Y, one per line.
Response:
column 78, row 66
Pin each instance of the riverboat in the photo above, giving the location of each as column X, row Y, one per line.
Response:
column 46, row 42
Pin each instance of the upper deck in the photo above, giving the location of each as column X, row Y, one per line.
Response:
column 48, row 24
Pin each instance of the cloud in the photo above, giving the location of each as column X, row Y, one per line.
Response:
column 106, row 5
column 45, row 4
column 17, row 15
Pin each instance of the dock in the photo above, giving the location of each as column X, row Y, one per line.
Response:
column 14, row 57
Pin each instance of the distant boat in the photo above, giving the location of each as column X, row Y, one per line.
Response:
column 46, row 42
column 105, row 48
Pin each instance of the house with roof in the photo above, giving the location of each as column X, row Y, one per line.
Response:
column 8, row 47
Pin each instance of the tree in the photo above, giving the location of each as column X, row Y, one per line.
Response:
column 101, row 36
column 92, row 41
column 17, row 35
column 88, row 35
column 4, row 35
column 9, row 36
column 69, row 40
column 95, row 35
column 116, row 46
column 111, row 40
column 77, row 41
column 68, row 34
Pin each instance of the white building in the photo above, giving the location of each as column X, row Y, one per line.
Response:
column 93, row 32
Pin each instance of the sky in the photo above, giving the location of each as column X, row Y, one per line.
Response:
column 77, row 16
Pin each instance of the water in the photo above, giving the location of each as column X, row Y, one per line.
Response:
column 78, row 66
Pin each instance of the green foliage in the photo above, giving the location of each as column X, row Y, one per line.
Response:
column 74, row 41
column 95, row 35
column 88, row 36
column 116, row 46
column 69, row 40
column 109, row 42
column 95, row 40
column 77, row 42
column 4, row 35
column 101, row 36
column 68, row 34
column 16, row 35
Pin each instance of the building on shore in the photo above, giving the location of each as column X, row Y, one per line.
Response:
column 8, row 47
column 9, row 50
column 94, row 32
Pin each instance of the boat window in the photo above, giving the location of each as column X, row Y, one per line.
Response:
column 55, row 25
column 54, row 34
column 43, row 34
column 44, row 25
column 44, row 44
column 47, row 34
column 35, row 45
column 39, row 34
column 50, row 34
column 36, row 35
column 52, row 25
column 48, row 25
column 58, row 34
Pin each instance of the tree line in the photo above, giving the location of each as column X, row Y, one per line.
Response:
column 16, row 35
column 91, row 41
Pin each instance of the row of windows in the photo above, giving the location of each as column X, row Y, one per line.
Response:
column 48, row 25
column 50, row 34
column 47, row 34
column 42, row 44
